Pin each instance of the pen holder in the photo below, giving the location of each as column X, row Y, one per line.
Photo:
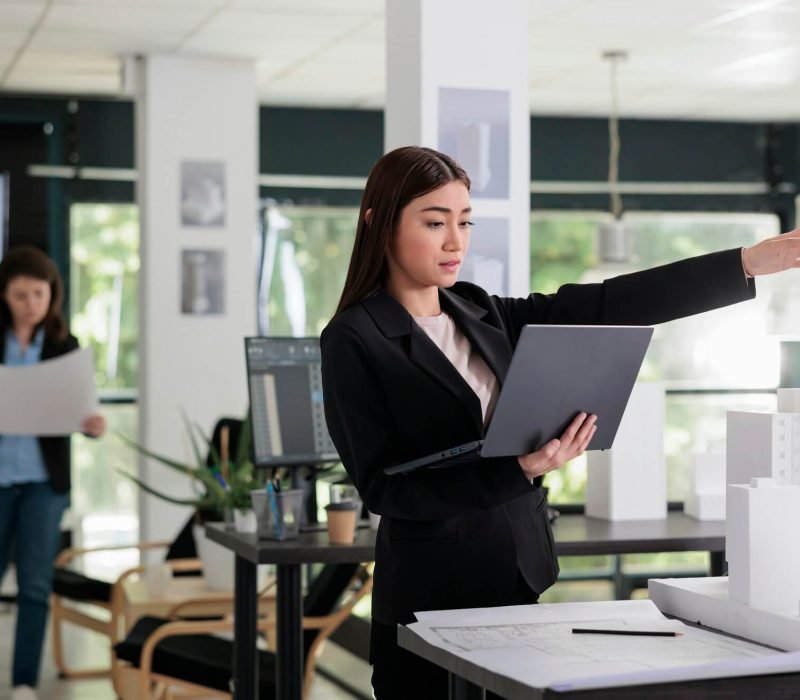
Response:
column 342, row 519
column 278, row 514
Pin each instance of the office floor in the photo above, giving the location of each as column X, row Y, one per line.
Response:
column 84, row 648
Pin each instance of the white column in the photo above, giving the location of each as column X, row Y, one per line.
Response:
column 457, row 81
column 196, row 129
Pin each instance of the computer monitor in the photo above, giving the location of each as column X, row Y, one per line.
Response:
column 284, row 380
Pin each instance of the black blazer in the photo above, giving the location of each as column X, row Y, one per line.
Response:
column 55, row 450
column 457, row 537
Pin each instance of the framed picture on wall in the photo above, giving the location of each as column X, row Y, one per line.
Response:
column 489, row 254
column 475, row 129
column 203, row 282
column 203, row 195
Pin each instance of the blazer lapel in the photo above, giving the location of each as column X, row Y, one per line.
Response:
column 490, row 342
column 395, row 322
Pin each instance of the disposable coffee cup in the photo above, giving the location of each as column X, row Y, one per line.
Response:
column 342, row 522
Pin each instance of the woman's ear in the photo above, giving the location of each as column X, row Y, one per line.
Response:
column 368, row 216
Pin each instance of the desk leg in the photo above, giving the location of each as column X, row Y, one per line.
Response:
column 717, row 563
column 289, row 653
column 460, row 689
column 245, row 668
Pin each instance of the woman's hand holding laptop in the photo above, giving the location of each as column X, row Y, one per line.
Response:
column 557, row 452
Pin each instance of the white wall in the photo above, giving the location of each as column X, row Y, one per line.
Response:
column 195, row 110
column 436, row 43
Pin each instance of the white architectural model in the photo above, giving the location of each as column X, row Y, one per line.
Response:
column 706, row 500
column 629, row 481
column 760, row 598
column 764, row 507
column 761, row 545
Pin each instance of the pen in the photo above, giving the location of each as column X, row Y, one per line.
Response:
column 276, row 515
column 633, row 633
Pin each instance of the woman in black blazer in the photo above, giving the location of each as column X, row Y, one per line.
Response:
column 34, row 472
column 475, row 535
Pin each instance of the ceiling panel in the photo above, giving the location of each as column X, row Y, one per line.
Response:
column 288, row 25
column 156, row 4
column 722, row 58
column 53, row 82
column 125, row 18
column 115, row 43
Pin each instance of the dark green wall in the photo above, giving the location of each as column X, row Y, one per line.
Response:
column 346, row 142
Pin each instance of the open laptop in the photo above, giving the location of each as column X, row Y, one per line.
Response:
column 555, row 373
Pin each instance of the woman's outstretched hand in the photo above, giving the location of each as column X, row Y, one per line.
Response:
column 555, row 453
column 772, row 254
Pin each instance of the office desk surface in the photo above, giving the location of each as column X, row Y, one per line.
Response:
column 575, row 535
column 579, row 535
column 309, row 547
column 467, row 679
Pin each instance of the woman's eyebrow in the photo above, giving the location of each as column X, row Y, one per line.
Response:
column 445, row 210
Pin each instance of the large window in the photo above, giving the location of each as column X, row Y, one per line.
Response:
column 304, row 259
column 710, row 363
column 104, row 266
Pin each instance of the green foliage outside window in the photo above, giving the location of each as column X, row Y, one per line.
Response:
column 104, row 269
column 317, row 243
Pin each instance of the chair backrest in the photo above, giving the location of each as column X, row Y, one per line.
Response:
column 234, row 426
column 324, row 594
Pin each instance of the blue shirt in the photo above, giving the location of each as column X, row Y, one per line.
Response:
column 20, row 457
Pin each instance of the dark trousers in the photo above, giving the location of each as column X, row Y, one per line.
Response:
column 398, row 674
column 31, row 514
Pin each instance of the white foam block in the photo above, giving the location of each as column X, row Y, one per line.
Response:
column 705, row 506
column 760, row 444
column 708, row 472
column 761, row 545
column 628, row 481
column 789, row 400
column 705, row 601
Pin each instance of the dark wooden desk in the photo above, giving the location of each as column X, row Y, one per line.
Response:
column 288, row 556
column 469, row 681
column 575, row 535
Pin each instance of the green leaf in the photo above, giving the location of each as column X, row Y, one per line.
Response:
column 166, row 461
column 199, row 457
column 160, row 494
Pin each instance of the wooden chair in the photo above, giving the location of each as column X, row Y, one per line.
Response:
column 164, row 653
column 95, row 604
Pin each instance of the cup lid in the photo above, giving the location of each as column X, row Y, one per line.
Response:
column 342, row 505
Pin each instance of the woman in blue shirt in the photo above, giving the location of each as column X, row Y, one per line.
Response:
column 34, row 471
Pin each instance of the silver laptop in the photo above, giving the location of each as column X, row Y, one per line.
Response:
column 555, row 373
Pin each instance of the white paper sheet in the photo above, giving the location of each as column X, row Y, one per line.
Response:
column 534, row 645
column 48, row 398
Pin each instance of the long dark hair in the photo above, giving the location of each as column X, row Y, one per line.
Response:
column 26, row 261
column 398, row 177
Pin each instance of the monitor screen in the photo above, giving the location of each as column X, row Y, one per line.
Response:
column 284, row 379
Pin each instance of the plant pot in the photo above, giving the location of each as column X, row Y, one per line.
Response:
column 244, row 520
column 218, row 562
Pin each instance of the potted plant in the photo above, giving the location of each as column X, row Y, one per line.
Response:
column 215, row 476
column 220, row 484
